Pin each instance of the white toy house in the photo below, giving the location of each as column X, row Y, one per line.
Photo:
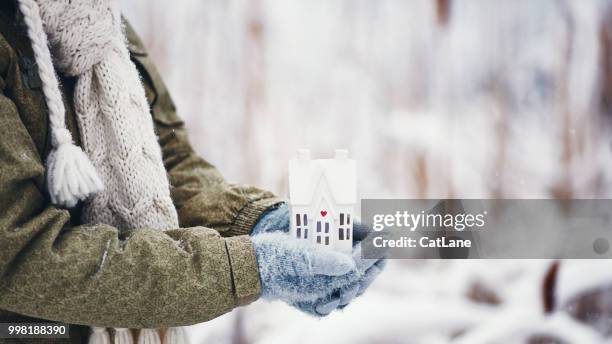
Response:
column 323, row 194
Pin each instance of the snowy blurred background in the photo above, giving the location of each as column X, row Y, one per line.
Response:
column 440, row 99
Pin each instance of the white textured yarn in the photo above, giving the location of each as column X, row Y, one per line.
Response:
column 176, row 335
column 114, row 118
column 99, row 335
column 86, row 40
column 148, row 336
column 123, row 336
column 70, row 175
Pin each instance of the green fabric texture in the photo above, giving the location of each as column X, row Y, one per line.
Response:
column 53, row 268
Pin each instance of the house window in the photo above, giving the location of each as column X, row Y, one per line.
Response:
column 322, row 237
column 301, row 222
column 344, row 233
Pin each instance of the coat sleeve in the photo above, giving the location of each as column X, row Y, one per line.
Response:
column 99, row 275
column 200, row 193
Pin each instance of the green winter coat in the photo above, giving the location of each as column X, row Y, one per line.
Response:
column 53, row 268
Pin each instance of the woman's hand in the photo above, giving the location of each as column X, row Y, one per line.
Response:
column 297, row 271
column 368, row 269
column 344, row 289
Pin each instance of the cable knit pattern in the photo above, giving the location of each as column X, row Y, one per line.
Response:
column 87, row 41
column 80, row 33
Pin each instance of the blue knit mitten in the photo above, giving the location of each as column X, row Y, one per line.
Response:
column 369, row 269
column 276, row 220
column 273, row 220
column 296, row 271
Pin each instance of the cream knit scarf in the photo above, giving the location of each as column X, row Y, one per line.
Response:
column 120, row 176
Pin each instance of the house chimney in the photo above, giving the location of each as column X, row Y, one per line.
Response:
column 341, row 153
column 303, row 154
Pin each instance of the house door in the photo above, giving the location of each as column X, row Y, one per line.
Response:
column 323, row 231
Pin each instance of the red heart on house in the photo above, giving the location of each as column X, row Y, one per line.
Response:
column 323, row 213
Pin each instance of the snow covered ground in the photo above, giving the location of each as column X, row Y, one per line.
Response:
column 499, row 100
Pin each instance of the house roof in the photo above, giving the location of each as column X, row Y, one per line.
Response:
column 340, row 174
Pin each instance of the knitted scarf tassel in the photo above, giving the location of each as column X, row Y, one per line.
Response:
column 71, row 175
